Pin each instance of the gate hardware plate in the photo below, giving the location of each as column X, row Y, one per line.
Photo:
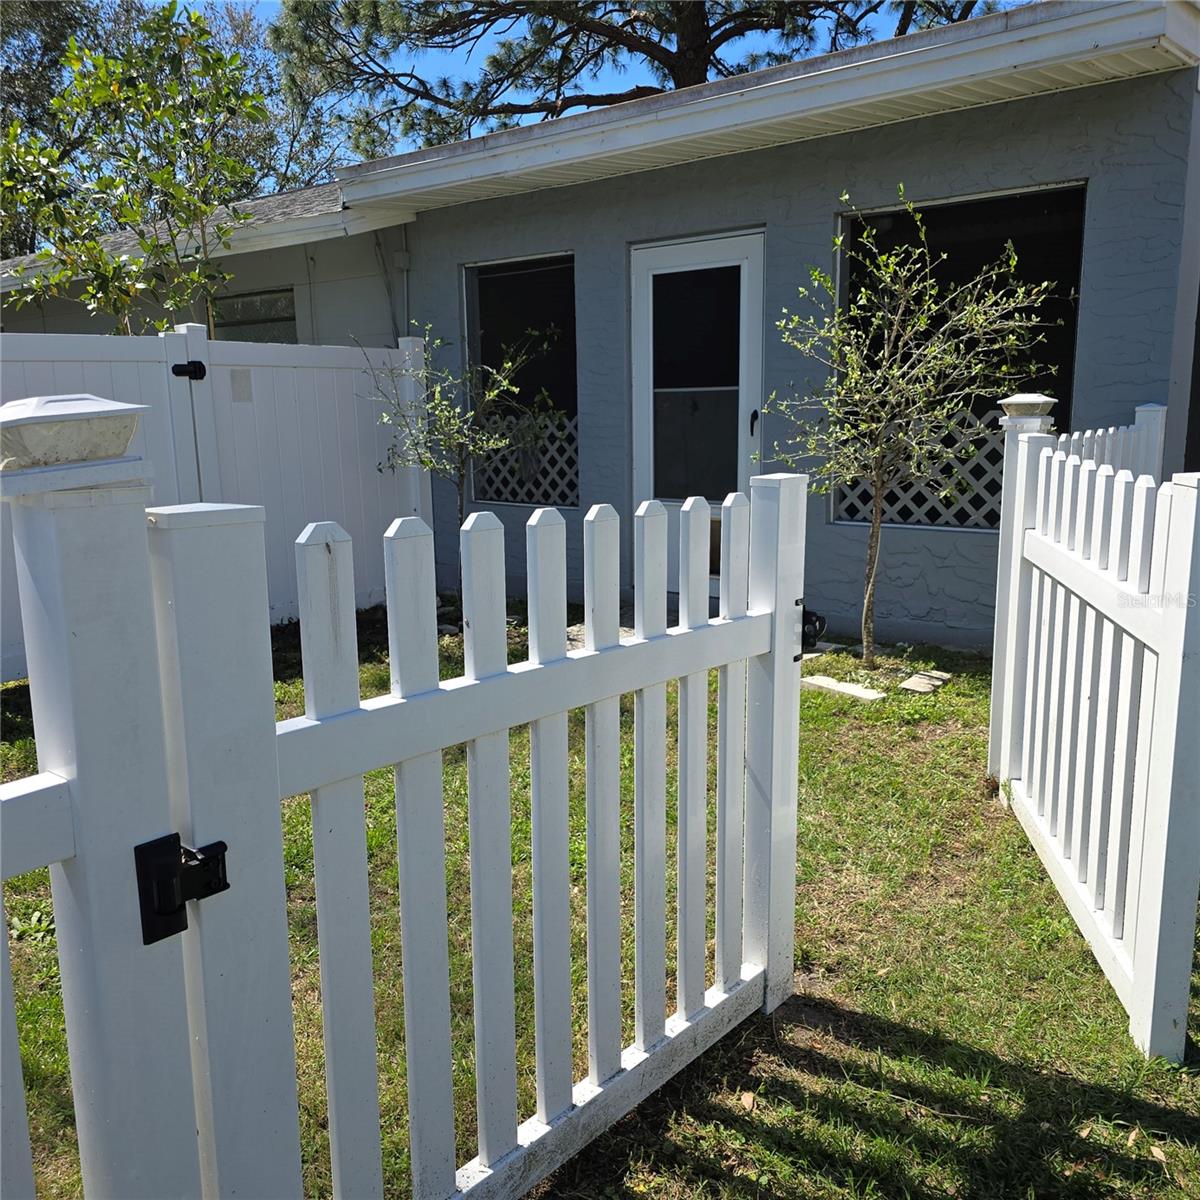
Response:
column 168, row 875
column 192, row 369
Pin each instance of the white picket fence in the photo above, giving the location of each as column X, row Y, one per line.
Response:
column 293, row 428
column 182, row 1053
column 1095, row 723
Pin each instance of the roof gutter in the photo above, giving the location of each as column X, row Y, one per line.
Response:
column 1040, row 37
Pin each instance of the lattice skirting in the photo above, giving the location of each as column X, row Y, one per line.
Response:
column 548, row 475
column 974, row 502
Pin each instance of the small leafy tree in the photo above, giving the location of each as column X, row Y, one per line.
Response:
column 903, row 361
column 456, row 419
column 155, row 167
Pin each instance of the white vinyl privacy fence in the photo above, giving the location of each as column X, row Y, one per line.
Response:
column 293, row 428
column 1095, row 724
column 178, row 1012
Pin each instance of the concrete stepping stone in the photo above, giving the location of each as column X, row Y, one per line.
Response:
column 924, row 682
column 822, row 683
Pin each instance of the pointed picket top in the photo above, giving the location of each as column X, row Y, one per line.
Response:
column 1122, row 518
column 1141, row 538
column 546, row 578
column 410, row 582
column 650, row 570
column 695, row 533
column 1085, row 499
column 1102, row 510
column 735, row 554
column 485, row 638
column 601, row 577
column 328, row 635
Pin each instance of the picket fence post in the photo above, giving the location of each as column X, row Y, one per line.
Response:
column 777, row 535
column 208, row 566
column 1150, row 439
column 1027, row 414
column 83, row 569
column 1165, row 911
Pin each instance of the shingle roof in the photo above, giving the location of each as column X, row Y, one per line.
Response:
column 319, row 200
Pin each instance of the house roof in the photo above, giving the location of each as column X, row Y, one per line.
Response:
column 1052, row 46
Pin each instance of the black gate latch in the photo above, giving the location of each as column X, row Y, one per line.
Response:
column 192, row 369
column 168, row 875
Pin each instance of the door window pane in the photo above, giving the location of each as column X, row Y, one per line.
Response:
column 697, row 328
column 697, row 339
column 696, row 444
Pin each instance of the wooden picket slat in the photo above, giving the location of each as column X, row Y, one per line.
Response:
column 601, row 603
column 546, row 572
column 485, row 651
column 329, row 648
column 421, row 853
column 650, row 783
column 695, row 531
column 731, row 746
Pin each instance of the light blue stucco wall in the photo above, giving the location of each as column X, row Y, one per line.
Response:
column 1127, row 141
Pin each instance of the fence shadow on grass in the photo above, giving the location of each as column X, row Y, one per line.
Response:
column 848, row 1100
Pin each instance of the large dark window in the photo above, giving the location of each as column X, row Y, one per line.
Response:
column 256, row 317
column 1046, row 230
column 515, row 306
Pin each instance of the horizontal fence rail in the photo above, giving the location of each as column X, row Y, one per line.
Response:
column 1095, row 702
column 188, row 639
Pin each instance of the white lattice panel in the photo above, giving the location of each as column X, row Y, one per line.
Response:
column 974, row 499
column 547, row 475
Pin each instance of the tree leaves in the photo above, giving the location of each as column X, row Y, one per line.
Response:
column 153, row 167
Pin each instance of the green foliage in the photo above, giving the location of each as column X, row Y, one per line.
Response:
column 900, row 365
column 458, row 418
column 544, row 57
column 153, row 167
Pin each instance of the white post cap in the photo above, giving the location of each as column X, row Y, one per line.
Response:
column 53, row 443
column 1030, row 404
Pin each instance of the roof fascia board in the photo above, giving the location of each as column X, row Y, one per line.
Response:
column 1068, row 36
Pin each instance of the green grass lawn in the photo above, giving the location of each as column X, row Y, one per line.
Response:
column 951, row 1034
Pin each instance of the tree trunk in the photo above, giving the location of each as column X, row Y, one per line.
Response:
column 868, row 616
column 693, row 39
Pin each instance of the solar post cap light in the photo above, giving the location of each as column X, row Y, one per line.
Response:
column 41, row 432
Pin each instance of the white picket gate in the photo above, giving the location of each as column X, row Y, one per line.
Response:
column 293, row 428
column 1095, row 722
column 182, row 1054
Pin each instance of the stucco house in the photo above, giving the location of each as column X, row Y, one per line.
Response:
column 661, row 238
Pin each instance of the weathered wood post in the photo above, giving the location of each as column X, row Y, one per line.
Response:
column 83, row 574
column 1022, row 414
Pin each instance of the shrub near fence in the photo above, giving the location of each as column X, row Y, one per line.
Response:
column 182, row 1058
column 1095, row 724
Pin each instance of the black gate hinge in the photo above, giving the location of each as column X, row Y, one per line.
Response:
column 169, row 874
column 192, row 369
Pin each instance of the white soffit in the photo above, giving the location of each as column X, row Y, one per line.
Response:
column 1029, row 51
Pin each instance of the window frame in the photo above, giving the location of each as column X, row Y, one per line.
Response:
column 842, row 219
column 289, row 290
column 470, row 351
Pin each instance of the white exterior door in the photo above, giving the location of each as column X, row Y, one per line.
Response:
column 697, row 373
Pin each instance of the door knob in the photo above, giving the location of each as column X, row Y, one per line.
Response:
column 753, row 421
